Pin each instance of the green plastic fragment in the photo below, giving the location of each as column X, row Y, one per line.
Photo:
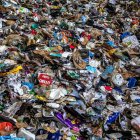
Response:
column 34, row 26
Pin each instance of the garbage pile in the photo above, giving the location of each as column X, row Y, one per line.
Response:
column 69, row 69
